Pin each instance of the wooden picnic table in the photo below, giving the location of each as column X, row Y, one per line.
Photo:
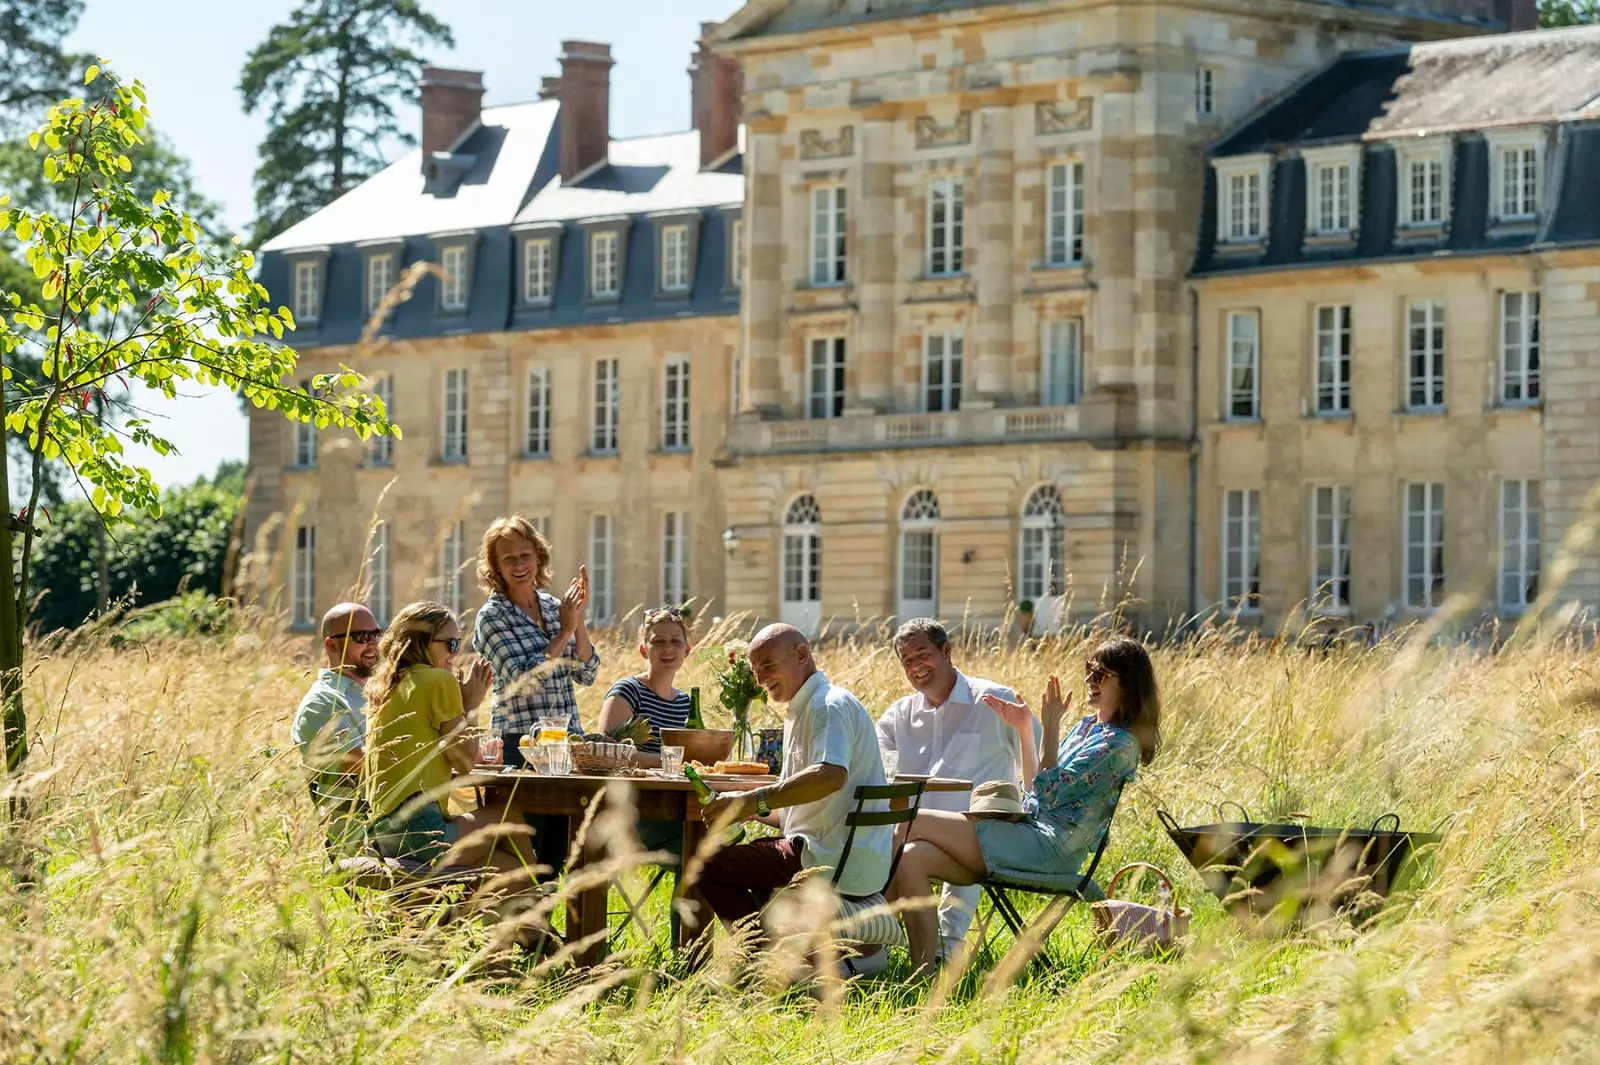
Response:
column 656, row 798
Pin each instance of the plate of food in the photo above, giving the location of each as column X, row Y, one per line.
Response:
column 730, row 770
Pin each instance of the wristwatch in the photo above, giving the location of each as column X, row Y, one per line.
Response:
column 762, row 809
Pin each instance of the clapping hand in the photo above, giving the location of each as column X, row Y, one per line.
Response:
column 1016, row 714
column 1054, row 707
column 573, row 602
column 475, row 684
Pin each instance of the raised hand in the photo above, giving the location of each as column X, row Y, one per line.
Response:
column 1054, row 707
column 1017, row 714
column 475, row 685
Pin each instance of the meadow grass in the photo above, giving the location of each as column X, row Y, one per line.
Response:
column 184, row 908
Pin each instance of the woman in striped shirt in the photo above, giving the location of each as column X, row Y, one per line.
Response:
column 664, row 644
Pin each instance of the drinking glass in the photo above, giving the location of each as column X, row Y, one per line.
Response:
column 558, row 759
column 672, row 761
column 891, row 764
column 492, row 750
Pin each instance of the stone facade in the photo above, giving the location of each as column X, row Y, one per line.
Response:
column 888, row 102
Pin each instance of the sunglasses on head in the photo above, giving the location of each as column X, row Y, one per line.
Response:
column 660, row 613
column 1094, row 672
column 453, row 644
column 362, row 635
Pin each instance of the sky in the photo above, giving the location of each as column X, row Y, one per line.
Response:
column 189, row 53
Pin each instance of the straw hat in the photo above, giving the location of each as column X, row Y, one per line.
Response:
column 997, row 799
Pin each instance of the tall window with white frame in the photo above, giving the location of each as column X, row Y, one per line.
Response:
column 607, row 408
column 1517, row 182
column 305, row 439
column 380, row 278
column 1064, row 214
column 941, row 369
column 1243, row 206
column 602, row 569
column 1425, row 355
column 1244, row 365
column 536, row 442
column 1061, row 370
column 1040, row 563
column 1333, row 359
column 453, row 440
column 1519, row 347
column 538, row 270
column 452, row 558
column 825, row 378
column 919, row 556
column 674, row 558
column 1332, row 196
column 675, row 258
column 1241, row 549
column 946, row 223
column 829, row 224
column 453, row 288
column 1424, row 195
column 1424, row 545
column 380, row 577
column 1520, row 511
column 1330, row 549
column 307, row 290
column 801, row 578
column 304, row 576
column 605, row 280
column 380, row 448
column 675, row 404
column 1205, row 91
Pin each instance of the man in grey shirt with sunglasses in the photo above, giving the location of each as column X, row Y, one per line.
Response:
column 331, row 724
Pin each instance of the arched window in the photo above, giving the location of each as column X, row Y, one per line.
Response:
column 1040, row 555
column 802, row 564
column 919, row 556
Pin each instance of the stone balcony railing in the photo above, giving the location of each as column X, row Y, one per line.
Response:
column 872, row 432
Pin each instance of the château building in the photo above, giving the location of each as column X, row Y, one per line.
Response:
column 946, row 305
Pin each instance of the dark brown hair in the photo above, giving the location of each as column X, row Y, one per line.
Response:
column 1139, row 709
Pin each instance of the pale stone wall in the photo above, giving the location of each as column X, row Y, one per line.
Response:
column 421, row 495
column 995, row 94
column 1474, row 444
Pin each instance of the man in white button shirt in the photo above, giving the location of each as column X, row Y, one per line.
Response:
column 945, row 730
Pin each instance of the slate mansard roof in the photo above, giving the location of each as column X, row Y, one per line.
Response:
column 510, row 190
column 1380, row 103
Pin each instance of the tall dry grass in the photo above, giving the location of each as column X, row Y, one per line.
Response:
column 184, row 909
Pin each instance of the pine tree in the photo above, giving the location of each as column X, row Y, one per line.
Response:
column 328, row 80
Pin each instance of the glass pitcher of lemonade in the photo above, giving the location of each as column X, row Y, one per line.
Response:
column 552, row 728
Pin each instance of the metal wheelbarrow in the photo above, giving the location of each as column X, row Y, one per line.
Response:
column 1297, row 873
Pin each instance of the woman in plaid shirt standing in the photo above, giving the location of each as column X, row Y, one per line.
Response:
column 537, row 644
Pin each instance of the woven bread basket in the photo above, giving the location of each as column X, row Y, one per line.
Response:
column 601, row 758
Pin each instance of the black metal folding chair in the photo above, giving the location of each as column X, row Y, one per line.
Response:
column 996, row 889
column 870, row 930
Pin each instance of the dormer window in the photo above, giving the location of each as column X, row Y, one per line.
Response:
column 1516, row 170
column 308, row 290
column 605, row 274
column 1424, row 170
column 538, row 270
column 380, row 278
column 1242, row 194
column 1333, row 191
column 453, row 287
column 675, row 258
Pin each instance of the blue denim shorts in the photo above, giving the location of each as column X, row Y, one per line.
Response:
column 423, row 836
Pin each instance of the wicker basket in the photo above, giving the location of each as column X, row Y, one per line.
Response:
column 601, row 758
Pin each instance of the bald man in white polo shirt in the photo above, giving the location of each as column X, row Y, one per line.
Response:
column 943, row 729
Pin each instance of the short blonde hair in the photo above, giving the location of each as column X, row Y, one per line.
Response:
column 666, row 615
column 504, row 529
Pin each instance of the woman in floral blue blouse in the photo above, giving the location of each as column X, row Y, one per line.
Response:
column 1075, row 785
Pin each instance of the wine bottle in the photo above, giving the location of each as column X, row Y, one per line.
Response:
column 702, row 790
column 694, row 721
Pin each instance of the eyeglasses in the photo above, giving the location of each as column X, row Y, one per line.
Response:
column 1094, row 672
column 361, row 635
column 661, row 613
column 453, row 644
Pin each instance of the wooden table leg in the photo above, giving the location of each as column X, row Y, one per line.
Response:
column 691, row 931
column 586, row 910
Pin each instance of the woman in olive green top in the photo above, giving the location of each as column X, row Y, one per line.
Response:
column 417, row 741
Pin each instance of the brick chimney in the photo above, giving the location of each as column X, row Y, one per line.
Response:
column 452, row 103
column 549, row 88
column 1524, row 15
column 585, row 95
column 716, row 90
